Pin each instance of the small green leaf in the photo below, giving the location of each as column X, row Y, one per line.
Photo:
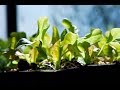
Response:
column 68, row 25
column 94, row 36
column 90, row 49
column 83, row 47
column 96, row 31
column 115, row 32
column 69, row 38
column 115, row 45
column 42, row 54
column 33, row 55
column 46, row 46
column 69, row 56
column 14, row 62
column 75, row 49
column 80, row 47
column 18, row 35
column 63, row 34
column 35, row 44
column 55, row 51
column 104, row 46
column 46, row 41
column 13, row 43
column 15, row 37
column 43, row 25
column 64, row 49
column 55, row 35
column 109, row 36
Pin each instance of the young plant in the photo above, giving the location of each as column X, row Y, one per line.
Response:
column 110, row 44
column 49, row 52
column 10, row 52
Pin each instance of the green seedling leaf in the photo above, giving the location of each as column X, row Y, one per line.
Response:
column 69, row 38
column 46, row 46
column 70, row 51
column 63, row 34
column 42, row 53
column 55, row 35
column 18, row 35
column 109, row 36
column 14, row 62
column 43, row 25
column 33, row 55
column 94, row 36
column 105, row 49
column 27, row 49
column 115, row 45
column 46, row 41
column 91, row 49
column 95, row 32
column 15, row 37
column 83, row 47
column 68, row 25
column 80, row 47
column 12, row 43
column 69, row 46
column 115, row 33
column 69, row 55
column 35, row 44
column 55, row 51
column 75, row 49
column 64, row 49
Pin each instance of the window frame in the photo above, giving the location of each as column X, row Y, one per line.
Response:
column 11, row 12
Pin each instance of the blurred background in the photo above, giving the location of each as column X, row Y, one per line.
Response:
column 84, row 17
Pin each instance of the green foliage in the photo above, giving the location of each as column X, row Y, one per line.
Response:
column 55, row 35
column 43, row 25
column 55, row 52
column 68, row 25
column 43, row 49
column 94, row 36
column 63, row 34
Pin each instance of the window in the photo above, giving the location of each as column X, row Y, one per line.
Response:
column 3, row 29
column 29, row 14
column 84, row 17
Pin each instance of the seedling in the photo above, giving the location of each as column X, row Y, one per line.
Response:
column 42, row 51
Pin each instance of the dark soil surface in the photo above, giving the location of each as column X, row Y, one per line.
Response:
column 26, row 67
